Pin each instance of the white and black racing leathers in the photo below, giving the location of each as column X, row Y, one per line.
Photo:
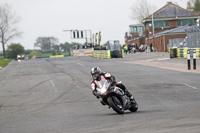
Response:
column 107, row 77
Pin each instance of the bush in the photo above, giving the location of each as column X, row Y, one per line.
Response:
column 53, row 52
column 14, row 50
column 36, row 53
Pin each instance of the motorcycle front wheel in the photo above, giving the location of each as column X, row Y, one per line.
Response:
column 116, row 104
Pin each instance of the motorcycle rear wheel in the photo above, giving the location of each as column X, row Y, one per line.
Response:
column 116, row 105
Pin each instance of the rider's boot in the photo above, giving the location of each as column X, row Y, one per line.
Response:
column 130, row 96
column 102, row 103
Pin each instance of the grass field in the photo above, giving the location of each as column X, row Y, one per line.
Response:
column 5, row 62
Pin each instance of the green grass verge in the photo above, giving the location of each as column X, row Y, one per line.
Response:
column 4, row 62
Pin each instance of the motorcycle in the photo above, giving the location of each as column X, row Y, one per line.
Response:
column 116, row 98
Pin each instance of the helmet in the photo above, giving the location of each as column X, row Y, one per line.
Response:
column 95, row 72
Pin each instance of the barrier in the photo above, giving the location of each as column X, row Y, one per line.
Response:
column 182, row 52
column 56, row 56
column 105, row 54
column 82, row 52
column 122, row 53
column 197, row 53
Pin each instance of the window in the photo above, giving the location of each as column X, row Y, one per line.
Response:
column 167, row 23
column 140, row 30
column 134, row 29
column 185, row 22
column 161, row 24
column 179, row 23
column 158, row 24
column 188, row 21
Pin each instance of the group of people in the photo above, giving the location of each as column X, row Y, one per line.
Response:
column 83, row 46
column 134, row 48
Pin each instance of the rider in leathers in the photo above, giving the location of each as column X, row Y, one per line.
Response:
column 99, row 78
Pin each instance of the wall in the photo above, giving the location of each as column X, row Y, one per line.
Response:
column 104, row 54
column 160, row 43
column 83, row 52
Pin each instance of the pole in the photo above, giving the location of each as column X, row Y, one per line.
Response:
column 188, row 58
column 194, row 59
column 153, row 24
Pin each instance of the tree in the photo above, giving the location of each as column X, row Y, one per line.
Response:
column 14, row 50
column 193, row 5
column 141, row 10
column 8, row 28
column 46, row 43
column 56, row 48
column 66, row 46
column 197, row 5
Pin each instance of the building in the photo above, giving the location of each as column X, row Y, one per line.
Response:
column 169, row 17
column 135, row 35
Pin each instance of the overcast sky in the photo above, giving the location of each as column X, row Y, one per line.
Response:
column 50, row 17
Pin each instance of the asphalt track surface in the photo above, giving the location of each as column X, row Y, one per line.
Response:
column 54, row 96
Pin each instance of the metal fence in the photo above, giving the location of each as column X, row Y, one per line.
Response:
column 178, row 42
column 113, row 45
column 193, row 40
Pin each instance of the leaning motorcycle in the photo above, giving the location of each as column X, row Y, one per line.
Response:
column 116, row 98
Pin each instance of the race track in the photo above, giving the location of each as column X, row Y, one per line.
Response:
column 54, row 96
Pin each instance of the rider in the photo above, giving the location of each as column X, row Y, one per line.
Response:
column 100, row 77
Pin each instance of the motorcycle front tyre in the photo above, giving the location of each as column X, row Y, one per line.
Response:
column 114, row 106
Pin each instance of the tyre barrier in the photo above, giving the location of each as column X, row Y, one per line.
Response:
column 182, row 52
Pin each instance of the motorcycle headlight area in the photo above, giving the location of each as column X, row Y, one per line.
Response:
column 103, row 90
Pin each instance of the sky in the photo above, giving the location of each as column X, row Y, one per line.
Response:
column 47, row 18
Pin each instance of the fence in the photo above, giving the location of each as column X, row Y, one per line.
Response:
column 193, row 40
column 178, row 42
column 115, row 49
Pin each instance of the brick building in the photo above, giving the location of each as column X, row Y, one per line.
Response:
column 169, row 17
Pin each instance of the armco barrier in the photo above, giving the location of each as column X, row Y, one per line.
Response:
column 105, row 54
column 42, row 57
column 56, row 56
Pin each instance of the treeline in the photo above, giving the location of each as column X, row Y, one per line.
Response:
column 17, row 49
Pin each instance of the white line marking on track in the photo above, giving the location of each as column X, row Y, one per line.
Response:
column 190, row 86
column 53, row 85
column 80, row 64
column 158, row 59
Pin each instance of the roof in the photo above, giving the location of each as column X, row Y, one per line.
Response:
column 136, row 25
column 182, row 29
column 171, row 11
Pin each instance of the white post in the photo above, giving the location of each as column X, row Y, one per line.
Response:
column 153, row 24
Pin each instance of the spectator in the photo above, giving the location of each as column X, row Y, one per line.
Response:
column 126, row 48
column 151, row 47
